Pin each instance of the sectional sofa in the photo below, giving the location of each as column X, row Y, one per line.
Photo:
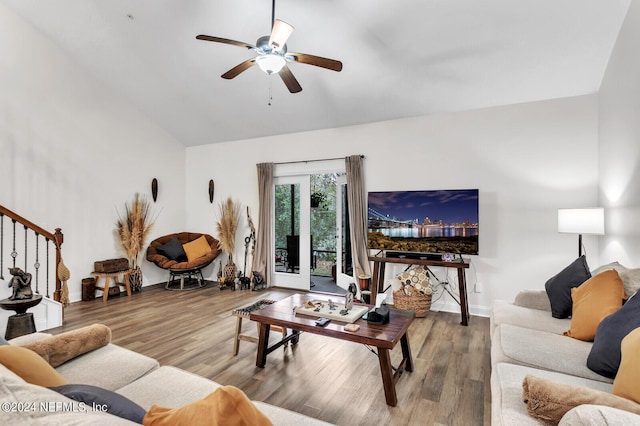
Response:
column 527, row 340
column 137, row 377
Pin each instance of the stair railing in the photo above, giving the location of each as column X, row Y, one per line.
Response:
column 57, row 238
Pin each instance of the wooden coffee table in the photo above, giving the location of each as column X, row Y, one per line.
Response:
column 382, row 336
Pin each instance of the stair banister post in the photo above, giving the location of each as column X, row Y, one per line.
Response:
column 59, row 239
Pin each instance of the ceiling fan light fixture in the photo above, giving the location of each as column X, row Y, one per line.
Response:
column 271, row 63
column 280, row 33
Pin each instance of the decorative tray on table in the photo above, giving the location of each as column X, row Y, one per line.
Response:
column 329, row 309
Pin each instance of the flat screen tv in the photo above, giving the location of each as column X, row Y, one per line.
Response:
column 441, row 222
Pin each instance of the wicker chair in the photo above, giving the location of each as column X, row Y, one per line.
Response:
column 182, row 269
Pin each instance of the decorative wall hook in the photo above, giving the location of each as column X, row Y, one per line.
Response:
column 154, row 189
column 211, row 190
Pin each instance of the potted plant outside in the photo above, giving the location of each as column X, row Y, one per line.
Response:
column 318, row 199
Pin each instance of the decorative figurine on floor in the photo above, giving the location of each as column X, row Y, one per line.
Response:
column 258, row 281
column 245, row 283
column 21, row 283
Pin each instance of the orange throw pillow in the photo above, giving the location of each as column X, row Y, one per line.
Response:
column 596, row 298
column 227, row 406
column 628, row 377
column 196, row 248
column 30, row 366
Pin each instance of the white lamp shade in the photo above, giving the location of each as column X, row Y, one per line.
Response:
column 581, row 221
column 279, row 34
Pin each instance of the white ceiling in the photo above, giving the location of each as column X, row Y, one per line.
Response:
column 401, row 58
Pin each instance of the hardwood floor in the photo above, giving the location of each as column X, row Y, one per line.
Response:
column 329, row 379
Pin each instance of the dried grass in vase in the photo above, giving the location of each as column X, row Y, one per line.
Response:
column 227, row 227
column 134, row 228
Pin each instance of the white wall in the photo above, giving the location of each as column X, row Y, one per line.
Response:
column 527, row 160
column 619, row 146
column 72, row 152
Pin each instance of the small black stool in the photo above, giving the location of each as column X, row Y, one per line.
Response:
column 22, row 322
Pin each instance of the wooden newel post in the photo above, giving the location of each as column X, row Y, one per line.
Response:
column 59, row 239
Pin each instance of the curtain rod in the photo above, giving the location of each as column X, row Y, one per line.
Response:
column 314, row 161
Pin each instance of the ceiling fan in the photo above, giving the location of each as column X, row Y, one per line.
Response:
column 272, row 55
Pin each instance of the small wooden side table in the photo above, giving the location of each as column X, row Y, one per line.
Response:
column 107, row 281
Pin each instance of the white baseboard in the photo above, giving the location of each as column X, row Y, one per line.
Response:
column 449, row 306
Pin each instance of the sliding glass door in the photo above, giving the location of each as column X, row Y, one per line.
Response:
column 311, row 228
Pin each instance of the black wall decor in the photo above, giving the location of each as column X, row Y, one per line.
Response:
column 154, row 189
column 211, row 189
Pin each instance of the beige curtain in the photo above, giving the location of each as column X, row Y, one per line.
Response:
column 356, row 197
column 263, row 258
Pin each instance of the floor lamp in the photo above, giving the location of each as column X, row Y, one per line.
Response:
column 581, row 221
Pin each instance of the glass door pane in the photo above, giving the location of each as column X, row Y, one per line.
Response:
column 287, row 226
column 343, row 235
column 291, row 232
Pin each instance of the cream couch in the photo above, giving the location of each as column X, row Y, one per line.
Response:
column 527, row 340
column 130, row 374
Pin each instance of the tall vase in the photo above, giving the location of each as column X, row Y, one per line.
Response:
column 230, row 272
column 135, row 279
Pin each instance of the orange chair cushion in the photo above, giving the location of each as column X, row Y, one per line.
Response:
column 196, row 248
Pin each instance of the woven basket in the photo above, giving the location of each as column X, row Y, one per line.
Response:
column 419, row 303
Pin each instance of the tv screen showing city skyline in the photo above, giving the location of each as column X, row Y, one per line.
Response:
column 434, row 221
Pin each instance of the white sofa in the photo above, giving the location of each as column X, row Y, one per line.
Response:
column 111, row 367
column 527, row 340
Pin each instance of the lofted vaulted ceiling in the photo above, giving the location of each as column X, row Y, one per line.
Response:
column 401, row 58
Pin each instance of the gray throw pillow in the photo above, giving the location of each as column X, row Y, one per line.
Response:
column 559, row 287
column 173, row 250
column 605, row 354
column 631, row 280
column 113, row 403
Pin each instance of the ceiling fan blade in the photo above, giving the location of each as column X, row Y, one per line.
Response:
column 225, row 41
column 318, row 61
column 280, row 33
column 233, row 72
column 289, row 80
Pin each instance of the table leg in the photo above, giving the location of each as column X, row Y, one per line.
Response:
column 127, row 283
column 383, row 267
column 263, row 345
column 387, row 377
column 406, row 353
column 105, row 295
column 236, row 341
column 373, row 285
column 464, row 304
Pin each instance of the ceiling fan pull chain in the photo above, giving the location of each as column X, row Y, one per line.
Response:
column 270, row 93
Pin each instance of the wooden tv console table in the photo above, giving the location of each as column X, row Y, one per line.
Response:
column 377, row 280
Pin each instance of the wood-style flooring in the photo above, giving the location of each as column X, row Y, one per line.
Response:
column 332, row 380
